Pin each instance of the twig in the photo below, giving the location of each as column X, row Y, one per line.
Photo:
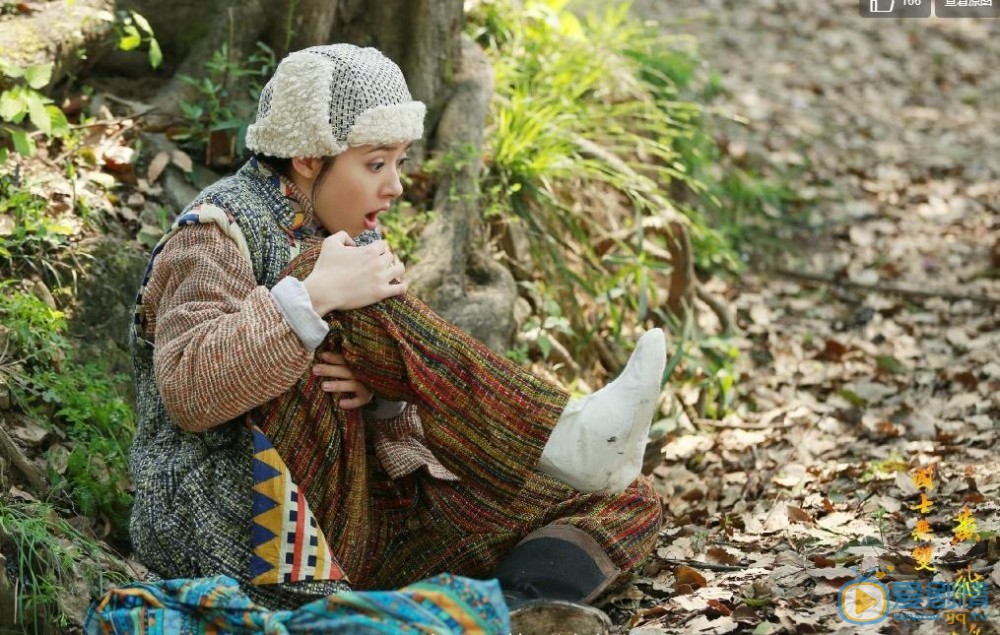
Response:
column 749, row 426
column 113, row 122
column 708, row 566
column 718, row 307
column 55, row 163
column 818, row 278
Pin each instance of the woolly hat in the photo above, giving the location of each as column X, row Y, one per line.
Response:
column 323, row 99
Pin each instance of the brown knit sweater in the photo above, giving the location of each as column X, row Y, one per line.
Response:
column 209, row 317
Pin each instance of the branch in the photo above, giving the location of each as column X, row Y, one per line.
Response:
column 817, row 278
column 719, row 308
column 708, row 566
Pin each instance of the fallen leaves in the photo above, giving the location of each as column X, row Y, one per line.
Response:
column 845, row 391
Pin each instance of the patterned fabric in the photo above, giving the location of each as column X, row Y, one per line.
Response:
column 288, row 545
column 401, row 447
column 485, row 418
column 444, row 605
column 193, row 512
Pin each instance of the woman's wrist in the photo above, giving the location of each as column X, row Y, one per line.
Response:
column 316, row 297
column 294, row 303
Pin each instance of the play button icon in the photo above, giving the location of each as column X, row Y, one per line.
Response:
column 863, row 602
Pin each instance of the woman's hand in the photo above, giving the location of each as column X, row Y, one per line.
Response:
column 338, row 378
column 349, row 277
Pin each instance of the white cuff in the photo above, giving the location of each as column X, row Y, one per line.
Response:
column 384, row 409
column 294, row 303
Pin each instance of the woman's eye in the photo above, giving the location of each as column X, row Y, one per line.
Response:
column 376, row 166
column 403, row 160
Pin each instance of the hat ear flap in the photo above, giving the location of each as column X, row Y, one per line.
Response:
column 295, row 120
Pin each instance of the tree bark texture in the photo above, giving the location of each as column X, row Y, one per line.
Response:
column 446, row 71
column 65, row 34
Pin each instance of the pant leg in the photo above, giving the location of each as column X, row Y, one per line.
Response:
column 485, row 418
column 454, row 530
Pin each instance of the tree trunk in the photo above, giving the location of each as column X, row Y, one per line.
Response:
column 450, row 74
column 454, row 274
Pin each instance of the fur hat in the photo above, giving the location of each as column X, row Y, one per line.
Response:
column 323, row 99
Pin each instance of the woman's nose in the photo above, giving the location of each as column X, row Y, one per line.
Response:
column 394, row 186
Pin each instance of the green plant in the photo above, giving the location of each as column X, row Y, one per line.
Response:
column 571, row 109
column 545, row 328
column 45, row 556
column 132, row 30
column 227, row 95
column 98, row 425
column 599, row 133
column 401, row 227
column 33, row 238
column 80, row 400
column 34, row 329
column 22, row 99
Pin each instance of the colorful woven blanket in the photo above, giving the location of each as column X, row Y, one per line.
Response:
column 442, row 605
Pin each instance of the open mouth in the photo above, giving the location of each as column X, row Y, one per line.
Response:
column 371, row 220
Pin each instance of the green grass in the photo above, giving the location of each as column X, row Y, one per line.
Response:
column 47, row 558
column 81, row 402
column 567, row 84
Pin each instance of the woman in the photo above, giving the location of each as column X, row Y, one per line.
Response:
column 304, row 422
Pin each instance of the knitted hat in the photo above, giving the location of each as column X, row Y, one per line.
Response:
column 325, row 98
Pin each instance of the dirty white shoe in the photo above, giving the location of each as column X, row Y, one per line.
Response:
column 598, row 442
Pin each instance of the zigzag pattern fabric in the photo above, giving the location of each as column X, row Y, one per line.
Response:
column 288, row 545
column 485, row 419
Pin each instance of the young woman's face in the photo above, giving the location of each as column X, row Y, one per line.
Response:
column 359, row 186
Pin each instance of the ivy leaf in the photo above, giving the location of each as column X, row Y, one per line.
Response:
column 155, row 54
column 131, row 39
column 38, row 75
column 544, row 345
column 142, row 22
column 60, row 125
column 22, row 142
column 38, row 113
column 10, row 69
column 12, row 106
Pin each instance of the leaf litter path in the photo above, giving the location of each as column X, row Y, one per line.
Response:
column 889, row 130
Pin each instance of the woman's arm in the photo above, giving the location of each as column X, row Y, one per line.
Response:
column 223, row 345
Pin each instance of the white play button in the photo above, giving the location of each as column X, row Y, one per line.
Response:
column 863, row 602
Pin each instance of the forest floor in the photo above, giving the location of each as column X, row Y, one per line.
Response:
column 863, row 437
column 853, row 390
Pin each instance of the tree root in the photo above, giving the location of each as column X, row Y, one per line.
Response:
column 10, row 451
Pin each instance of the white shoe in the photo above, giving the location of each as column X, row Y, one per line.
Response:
column 598, row 443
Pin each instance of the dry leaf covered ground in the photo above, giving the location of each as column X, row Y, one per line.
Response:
column 888, row 130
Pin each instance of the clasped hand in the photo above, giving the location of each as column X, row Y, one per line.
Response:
column 337, row 377
column 346, row 276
